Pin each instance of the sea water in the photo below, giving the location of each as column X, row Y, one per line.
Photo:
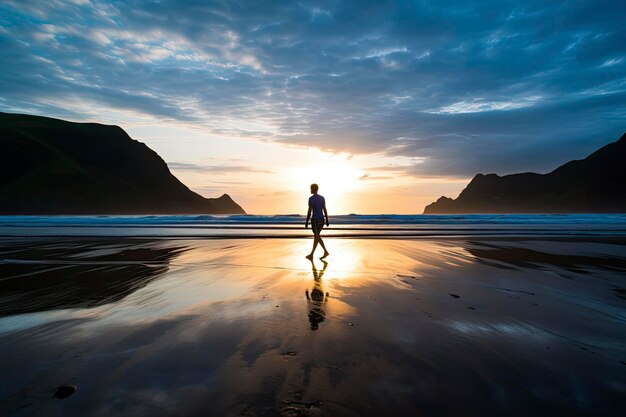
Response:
column 292, row 225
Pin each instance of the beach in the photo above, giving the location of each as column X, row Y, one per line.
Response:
column 522, row 324
column 168, row 168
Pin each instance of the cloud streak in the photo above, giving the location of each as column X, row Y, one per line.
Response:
column 215, row 169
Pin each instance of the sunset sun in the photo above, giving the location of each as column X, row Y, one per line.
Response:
column 336, row 178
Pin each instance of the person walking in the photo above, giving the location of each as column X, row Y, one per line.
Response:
column 316, row 214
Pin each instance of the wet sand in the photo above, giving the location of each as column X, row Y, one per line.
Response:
column 434, row 327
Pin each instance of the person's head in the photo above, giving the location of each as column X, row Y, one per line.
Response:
column 314, row 188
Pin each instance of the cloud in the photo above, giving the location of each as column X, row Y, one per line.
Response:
column 368, row 177
column 215, row 169
column 477, row 105
column 483, row 87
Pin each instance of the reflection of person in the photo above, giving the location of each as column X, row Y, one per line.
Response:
column 317, row 207
column 316, row 298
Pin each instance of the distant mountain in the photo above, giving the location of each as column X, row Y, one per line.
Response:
column 591, row 185
column 51, row 166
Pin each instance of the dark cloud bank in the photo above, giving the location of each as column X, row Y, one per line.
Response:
column 493, row 86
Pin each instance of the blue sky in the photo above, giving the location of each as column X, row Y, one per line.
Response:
column 424, row 94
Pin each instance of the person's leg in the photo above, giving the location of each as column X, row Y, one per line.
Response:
column 316, row 234
column 315, row 238
column 321, row 242
column 323, row 247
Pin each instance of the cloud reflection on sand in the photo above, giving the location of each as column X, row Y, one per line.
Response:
column 500, row 329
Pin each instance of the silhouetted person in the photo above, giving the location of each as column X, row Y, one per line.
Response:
column 316, row 298
column 317, row 207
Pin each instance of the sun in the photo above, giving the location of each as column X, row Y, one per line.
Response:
column 336, row 179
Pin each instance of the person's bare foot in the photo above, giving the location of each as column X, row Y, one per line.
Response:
column 309, row 257
column 324, row 255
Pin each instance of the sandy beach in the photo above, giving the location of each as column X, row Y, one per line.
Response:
column 437, row 327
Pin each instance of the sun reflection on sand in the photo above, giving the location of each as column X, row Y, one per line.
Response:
column 349, row 258
column 345, row 261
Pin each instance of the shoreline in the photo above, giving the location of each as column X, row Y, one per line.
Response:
column 352, row 226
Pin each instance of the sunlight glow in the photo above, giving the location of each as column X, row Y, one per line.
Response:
column 336, row 178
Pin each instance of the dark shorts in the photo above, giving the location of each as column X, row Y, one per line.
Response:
column 317, row 225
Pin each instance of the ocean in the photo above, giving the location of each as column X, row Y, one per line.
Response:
column 292, row 225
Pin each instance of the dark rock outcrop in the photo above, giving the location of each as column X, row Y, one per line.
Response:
column 51, row 166
column 592, row 185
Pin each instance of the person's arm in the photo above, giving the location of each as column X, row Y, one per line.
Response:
column 308, row 217
column 326, row 213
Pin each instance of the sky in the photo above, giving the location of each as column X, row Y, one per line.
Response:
column 386, row 104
